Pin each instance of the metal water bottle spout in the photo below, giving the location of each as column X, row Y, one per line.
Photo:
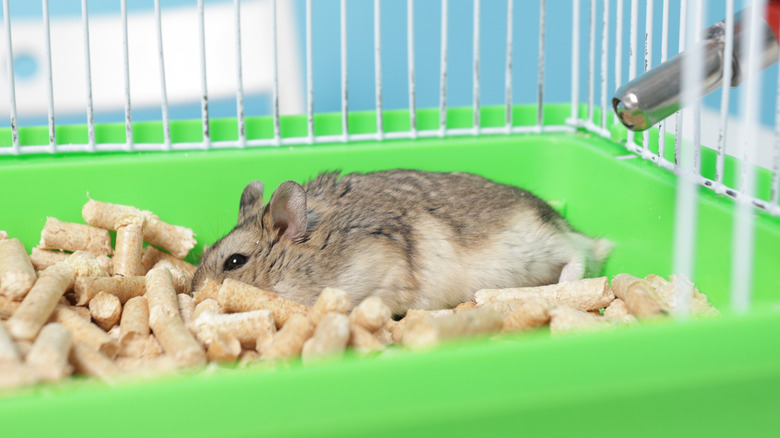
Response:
column 657, row 94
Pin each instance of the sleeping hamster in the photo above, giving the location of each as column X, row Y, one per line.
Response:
column 418, row 240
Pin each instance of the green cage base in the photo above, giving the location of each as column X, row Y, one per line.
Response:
column 713, row 377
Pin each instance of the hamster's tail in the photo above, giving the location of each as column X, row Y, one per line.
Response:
column 599, row 251
column 595, row 252
column 602, row 248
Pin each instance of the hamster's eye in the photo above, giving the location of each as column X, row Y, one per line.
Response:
column 235, row 261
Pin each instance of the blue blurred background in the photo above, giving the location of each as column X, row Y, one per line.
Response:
column 30, row 69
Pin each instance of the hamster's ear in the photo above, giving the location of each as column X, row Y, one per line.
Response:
column 251, row 200
column 288, row 210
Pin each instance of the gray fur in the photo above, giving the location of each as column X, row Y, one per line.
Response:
column 416, row 239
column 251, row 200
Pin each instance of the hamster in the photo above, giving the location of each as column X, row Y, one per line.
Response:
column 418, row 240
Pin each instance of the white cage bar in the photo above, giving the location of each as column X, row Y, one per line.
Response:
column 686, row 207
column 129, row 146
column 604, row 64
column 776, row 155
column 632, row 58
column 476, row 104
column 204, row 105
column 241, row 122
column 618, row 44
column 575, row 62
column 743, row 236
column 275, row 66
column 681, row 47
column 591, row 63
column 88, row 78
column 49, row 81
column 378, row 68
column 728, row 51
column 443, row 84
column 664, row 56
column 15, row 147
column 166, row 123
column 344, row 88
column 508, row 73
column 649, row 5
column 309, row 76
column 540, row 75
column 410, row 60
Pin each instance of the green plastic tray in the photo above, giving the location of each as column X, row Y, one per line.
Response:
column 713, row 377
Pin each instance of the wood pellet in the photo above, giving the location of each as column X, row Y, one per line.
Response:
column 77, row 305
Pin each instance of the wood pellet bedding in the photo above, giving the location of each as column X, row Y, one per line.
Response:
column 111, row 312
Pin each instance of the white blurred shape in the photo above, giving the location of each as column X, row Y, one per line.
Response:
column 182, row 62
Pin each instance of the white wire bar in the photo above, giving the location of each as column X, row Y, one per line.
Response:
column 88, row 78
column 686, row 207
column 540, row 79
column 275, row 64
column 664, row 57
column 680, row 48
column 618, row 44
column 743, row 236
column 380, row 129
column 649, row 6
column 204, row 98
column 633, row 36
column 410, row 60
column 776, row 147
column 126, row 65
column 591, row 61
column 443, row 84
column 309, row 75
column 508, row 74
column 475, row 80
column 239, row 80
column 11, row 83
column 344, row 100
column 604, row 64
column 163, row 89
column 632, row 58
column 575, row 61
column 49, row 82
column 728, row 53
column 696, row 109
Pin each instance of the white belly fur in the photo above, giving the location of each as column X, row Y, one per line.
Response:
column 528, row 253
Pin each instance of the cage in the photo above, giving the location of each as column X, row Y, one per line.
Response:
column 175, row 109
